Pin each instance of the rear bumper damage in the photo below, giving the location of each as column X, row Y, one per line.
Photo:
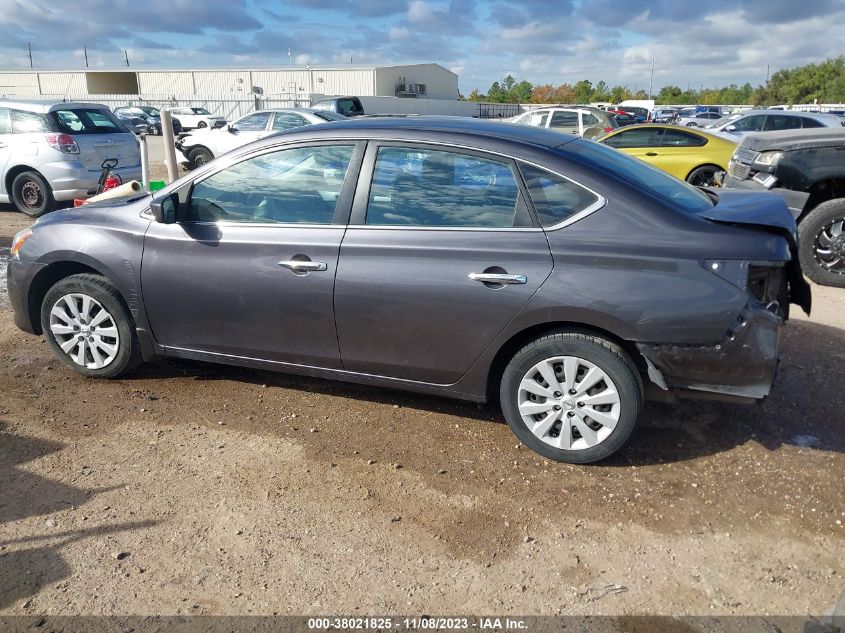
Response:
column 739, row 367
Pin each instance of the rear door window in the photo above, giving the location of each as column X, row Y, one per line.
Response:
column 808, row 122
column 87, row 121
column 679, row 138
column 417, row 186
column 782, row 122
column 24, row 122
column 564, row 119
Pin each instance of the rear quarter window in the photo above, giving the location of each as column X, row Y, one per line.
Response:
column 555, row 198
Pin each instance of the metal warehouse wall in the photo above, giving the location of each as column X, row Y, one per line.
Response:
column 440, row 83
column 168, row 83
column 19, row 84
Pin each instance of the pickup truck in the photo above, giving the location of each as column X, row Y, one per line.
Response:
column 807, row 167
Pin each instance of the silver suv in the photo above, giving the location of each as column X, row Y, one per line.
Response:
column 52, row 152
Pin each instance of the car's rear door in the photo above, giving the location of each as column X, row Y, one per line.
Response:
column 565, row 122
column 5, row 146
column 442, row 252
column 249, row 269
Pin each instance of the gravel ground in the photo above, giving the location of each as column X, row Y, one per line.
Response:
column 188, row 488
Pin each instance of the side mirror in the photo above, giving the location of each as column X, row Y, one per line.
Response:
column 164, row 209
column 232, row 129
column 730, row 128
column 218, row 124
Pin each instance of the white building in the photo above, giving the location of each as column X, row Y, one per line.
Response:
column 430, row 81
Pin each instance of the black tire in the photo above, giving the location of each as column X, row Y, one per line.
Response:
column 200, row 156
column 609, row 357
column 202, row 124
column 703, row 176
column 31, row 194
column 99, row 288
column 814, row 227
column 691, row 124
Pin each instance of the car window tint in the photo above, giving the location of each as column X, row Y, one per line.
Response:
column 555, row 198
column 87, row 121
column 348, row 106
column 752, row 123
column 424, row 187
column 23, row 122
column 287, row 121
column 679, row 138
column 639, row 137
column 782, row 122
column 299, row 186
column 808, row 122
column 537, row 119
column 590, row 119
column 254, row 122
column 5, row 124
column 564, row 119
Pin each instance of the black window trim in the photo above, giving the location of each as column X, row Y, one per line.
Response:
column 358, row 219
column 344, row 200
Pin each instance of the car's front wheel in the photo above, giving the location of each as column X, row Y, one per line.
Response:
column 202, row 124
column 199, row 156
column 32, row 194
column 572, row 397
column 88, row 327
column 821, row 243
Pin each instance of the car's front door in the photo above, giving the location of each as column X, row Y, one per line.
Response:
column 249, row 269
column 440, row 255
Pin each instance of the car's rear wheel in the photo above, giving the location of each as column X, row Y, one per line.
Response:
column 691, row 124
column 31, row 194
column 199, row 156
column 88, row 327
column 572, row 397
column 821, row 244
column 704, row 176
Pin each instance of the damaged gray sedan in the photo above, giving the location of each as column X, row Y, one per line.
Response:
column 473, row 260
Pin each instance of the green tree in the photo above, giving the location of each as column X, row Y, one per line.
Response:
column 601, row 92
column 583, row 91
column 475, row 95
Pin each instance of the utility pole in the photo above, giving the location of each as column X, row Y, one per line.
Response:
column 29, row 47
column 126, row 57
column 85, row 50
column 651, row 81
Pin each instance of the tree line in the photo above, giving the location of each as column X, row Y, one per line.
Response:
column 823, row 82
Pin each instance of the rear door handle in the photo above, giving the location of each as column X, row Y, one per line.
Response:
column 304, row 266
column 498, row 278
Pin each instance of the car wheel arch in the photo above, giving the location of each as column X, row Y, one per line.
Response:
column 714, row 165
column 524, row 336
column 50, row 275
column 14, row 172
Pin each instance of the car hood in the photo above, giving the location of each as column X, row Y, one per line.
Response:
column 768, row 212
column 795, row 139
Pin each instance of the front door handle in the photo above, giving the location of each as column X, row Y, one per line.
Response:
column 651, row 153
column 304, row 266
column 498, row 278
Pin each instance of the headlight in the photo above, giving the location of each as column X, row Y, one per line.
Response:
column 18, row 241
column 767, row 159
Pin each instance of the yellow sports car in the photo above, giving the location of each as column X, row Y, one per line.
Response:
column 686, row 153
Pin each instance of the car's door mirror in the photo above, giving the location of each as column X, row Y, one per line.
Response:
column 232, row 129
column 164, row 209
column 218, row 124
column 730, row 128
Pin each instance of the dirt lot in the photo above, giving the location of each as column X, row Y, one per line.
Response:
column 196, row 489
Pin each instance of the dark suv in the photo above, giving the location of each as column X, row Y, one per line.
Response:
column 149, row 115
column 449, row 256
column 807, row 167
column 347, row 106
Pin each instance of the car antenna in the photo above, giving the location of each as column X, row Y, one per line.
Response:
column 67, row 89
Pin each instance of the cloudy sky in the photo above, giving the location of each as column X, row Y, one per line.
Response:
column 697, row 43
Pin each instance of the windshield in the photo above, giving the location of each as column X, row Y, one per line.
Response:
column 200, row 111
column 723, row 121
column 674, row 192
column 330, row 116
column 87, row 121
column 150, row 111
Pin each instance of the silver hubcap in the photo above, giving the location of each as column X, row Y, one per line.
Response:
column 569, row 403
column 84, row 330
column 830, row 246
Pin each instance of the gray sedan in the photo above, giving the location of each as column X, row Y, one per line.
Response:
column 469, row 259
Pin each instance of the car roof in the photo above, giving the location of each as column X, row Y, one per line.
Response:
column 44, row 106
column 813, row 115
column 669, row 126
column 422, row 128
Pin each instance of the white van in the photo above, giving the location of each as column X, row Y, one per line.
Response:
column 54, row 151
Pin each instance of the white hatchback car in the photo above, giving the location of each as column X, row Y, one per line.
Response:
column 202, row 146
column 196, row 118
column 53, row 151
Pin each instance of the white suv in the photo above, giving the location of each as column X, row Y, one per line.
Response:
column 51, row 152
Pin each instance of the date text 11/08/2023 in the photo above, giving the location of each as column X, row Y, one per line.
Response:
column 417, row 623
